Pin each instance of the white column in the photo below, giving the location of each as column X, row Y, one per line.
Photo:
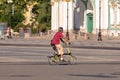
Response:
column 65, row 15
column 104, row 14
column 118, row 12
column 56, row 16
column 52, row 17
column 61, row 14
column 112, row 16
column 119, row 15
column 97, row 14
column 70, row 15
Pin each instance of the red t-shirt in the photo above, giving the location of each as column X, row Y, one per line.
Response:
column 56, row 38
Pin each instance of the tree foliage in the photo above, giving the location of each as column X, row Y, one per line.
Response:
column 42, row 14
column 41, row 10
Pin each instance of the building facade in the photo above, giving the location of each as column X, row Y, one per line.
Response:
column 90, row 16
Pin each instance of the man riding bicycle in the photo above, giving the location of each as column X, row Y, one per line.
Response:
column 56, row 41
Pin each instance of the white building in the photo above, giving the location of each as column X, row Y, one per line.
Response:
column 90, row 16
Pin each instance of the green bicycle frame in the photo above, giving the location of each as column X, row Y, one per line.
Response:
column 68, row 48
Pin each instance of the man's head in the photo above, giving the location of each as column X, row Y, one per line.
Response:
column 60, row 29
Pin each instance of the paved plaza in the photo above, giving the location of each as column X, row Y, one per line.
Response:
column 92, row 45
column 26, row 59
column 38, row 41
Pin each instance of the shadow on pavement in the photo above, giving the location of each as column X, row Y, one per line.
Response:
column 20, row 75
column 95, row 75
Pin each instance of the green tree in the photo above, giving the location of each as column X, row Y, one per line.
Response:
column 16, row 12
column 3, row 11
column 41, row 11
column 42, row 14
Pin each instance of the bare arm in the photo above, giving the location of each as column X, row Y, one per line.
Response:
column 65, row 39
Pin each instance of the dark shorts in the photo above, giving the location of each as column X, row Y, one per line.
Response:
column 54, row 47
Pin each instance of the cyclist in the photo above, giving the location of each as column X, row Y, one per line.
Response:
column 55, row 42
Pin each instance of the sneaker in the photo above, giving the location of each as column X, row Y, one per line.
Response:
column 61, row 58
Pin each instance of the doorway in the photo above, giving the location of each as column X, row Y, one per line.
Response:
column 89, row 22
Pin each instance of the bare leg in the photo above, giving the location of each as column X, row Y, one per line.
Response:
column 60, row 50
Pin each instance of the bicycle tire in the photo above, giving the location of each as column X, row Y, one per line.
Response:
column 72, row 60
column 51, row 60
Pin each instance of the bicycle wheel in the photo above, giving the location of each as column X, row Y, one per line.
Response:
column 51, row 60
column 72, row 59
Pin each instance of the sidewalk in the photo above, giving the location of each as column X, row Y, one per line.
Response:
column 25, row 42
column 37, row 41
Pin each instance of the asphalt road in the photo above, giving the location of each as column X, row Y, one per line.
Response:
column 30, row 63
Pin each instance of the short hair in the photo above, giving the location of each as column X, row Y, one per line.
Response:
column 60, row 29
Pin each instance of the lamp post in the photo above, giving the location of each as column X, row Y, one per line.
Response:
column 67, row 33
column 37, row 30
column 10, row 13
column 99, row 33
